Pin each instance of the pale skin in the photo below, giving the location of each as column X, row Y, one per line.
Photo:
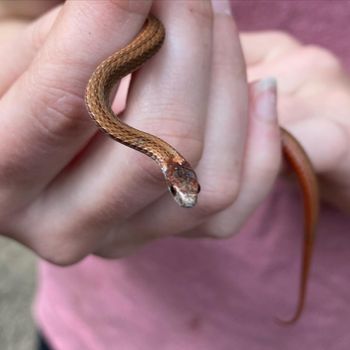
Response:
column 313, row 103
column 67, row 191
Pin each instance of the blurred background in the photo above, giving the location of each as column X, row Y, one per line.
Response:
column 17, row 284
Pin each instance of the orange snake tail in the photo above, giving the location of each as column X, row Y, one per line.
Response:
column 296, row 157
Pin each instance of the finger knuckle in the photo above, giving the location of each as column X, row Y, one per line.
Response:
column 119, row 9
column 60, row 252
column 57, row 111
column 200, row 10
column 218, row 195
column 222, row 232
column 283, row 38
column 38, row 30
column 221, row 229
column 37, row 36
column 230, row 65
column 58, row 259
column 131, row 7
column 181, row 132
column 145, row 171
column 320, row 57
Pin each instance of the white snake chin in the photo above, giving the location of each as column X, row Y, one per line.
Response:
column 185, row 200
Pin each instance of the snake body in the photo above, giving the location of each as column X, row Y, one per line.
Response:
column 179, row 176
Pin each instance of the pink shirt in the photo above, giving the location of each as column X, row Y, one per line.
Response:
column 204, row 294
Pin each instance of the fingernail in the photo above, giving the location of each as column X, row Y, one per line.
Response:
column 222, row 7
column 264, row 99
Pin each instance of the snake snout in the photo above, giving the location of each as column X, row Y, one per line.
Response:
column 183, row 199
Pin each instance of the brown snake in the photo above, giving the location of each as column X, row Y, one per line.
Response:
column 179, row 176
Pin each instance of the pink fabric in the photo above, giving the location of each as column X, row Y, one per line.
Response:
column 320, row 22
column 203, row 294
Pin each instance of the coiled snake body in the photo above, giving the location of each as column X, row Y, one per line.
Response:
column 179, row 176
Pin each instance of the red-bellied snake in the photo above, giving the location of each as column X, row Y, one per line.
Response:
column 180, row 177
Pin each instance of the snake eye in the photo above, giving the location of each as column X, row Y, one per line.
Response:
column 198, row 188
column 172, row 190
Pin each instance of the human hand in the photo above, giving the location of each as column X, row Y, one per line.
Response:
column 313, row 103
column 68, row 191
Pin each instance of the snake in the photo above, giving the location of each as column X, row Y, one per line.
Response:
column 179, row 176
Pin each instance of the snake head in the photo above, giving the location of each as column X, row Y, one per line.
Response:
column 182, row 184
